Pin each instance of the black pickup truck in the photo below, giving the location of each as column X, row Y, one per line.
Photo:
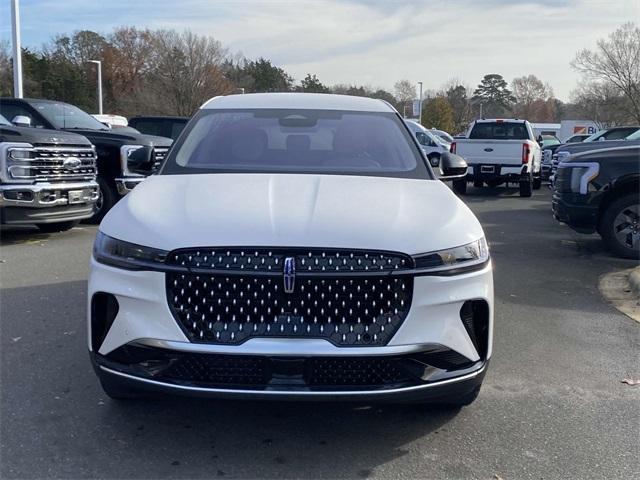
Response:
column 599, row 191
column 47, row 178
column 156, row 125
column 124, row 158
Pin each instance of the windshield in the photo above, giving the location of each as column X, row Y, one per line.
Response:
column 444, row 136
column 4, row 121
column 297, row 141
column 499, row 131
column 634, row 136
column 63, row 115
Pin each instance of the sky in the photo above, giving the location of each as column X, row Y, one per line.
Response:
column 363, row 42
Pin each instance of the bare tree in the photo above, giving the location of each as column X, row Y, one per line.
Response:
column 601, row 102
column 616, row 62
column 6, row 72
column 186, row 70
column 534, row 99
column 405, row 92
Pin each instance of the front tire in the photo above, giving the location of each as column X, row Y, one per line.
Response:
column 620, row 226
column 526, row 186
column 537, row 181
column 57, row 227
column 108, row 196
column 460, row 186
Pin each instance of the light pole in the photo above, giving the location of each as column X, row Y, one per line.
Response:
column 420, row 105
column 99, row 64
column 17, row 49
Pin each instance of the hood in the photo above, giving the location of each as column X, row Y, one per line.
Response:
column 118, row 138
column 39, row 136
column 380, row 213
column 584, row 146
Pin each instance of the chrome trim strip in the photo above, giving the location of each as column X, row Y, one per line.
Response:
column 301, row 394
column 37, row 202
column 287, row 347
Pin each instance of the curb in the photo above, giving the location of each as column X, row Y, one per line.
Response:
column 634, row 281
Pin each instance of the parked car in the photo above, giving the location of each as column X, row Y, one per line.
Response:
column 614, row 133
column 47, row 178
column 563, row 151
column 169, row 127
column 581, row 137
column 430, row 143
column 293, row 246
column 597, row 191
column 443, row 135
column 125, row 158
column 500, row 151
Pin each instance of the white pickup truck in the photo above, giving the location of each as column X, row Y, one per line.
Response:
column 500, row 151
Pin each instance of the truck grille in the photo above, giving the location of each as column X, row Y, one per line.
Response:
column 55, row 164
column 229, row 296
column 159, row 154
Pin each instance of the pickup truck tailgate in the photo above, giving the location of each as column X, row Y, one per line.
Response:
column 502, row 152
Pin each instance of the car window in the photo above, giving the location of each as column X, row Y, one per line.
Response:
column 63, row 115
column 11, row 110
column 176, row 129
column 619, row 133
column 499, row 131
column 423, row 139
column 149, row 127
column 292, row 141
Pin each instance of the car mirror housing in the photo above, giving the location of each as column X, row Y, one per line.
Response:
column 452, row 166
column 21, row 121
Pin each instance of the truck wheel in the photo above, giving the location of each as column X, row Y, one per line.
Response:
column 108, row 196
column 537, row 181
column 57, row 227
column 460, row 186
column 620, row 226
column 526, row 186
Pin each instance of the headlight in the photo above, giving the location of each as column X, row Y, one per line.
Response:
column 575, row 177
column 455, row 260
column 130, row 256
column 15, row 163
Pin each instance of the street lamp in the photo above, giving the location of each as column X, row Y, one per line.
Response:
column 17, row 50
column 420, row 105
column 99, row 64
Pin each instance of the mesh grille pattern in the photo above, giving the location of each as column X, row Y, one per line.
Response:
column 265, row 260
column 344, row 310
column 355, row 371
column 219, row 369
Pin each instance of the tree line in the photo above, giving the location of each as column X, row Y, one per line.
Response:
column 166, row 72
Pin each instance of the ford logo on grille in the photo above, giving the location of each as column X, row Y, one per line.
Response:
column 71, row 162
column 289, row 274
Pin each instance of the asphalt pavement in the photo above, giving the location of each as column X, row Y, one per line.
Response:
column 552, row 405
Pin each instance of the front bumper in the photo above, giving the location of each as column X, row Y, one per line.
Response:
column 433, row 323
column 580, row 217
column 47, row 202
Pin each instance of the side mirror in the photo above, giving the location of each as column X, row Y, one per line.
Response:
column 21, row 121
column 108, row 125
column 140, row 160
column 452, row 166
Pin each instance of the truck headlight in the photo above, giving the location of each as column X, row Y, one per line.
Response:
column 452, row 261
column 577, row 176
column 130, row 256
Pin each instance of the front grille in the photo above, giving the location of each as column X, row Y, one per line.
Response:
column 159, row 153
column 229, row 296
column 546, row 157
column 55, row 164
column 283, row 373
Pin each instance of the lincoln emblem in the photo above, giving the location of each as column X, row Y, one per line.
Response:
column 289, row 274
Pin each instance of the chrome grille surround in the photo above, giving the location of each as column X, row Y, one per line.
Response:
column 53, row 164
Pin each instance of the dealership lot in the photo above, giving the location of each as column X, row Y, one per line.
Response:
column 552, row 405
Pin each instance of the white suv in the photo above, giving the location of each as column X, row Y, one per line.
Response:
column 293, row 246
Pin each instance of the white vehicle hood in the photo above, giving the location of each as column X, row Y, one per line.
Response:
column 200, row 210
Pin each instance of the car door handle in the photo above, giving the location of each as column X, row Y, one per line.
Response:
column 488, row 149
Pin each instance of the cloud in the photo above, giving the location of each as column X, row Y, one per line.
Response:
column 372, row 42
